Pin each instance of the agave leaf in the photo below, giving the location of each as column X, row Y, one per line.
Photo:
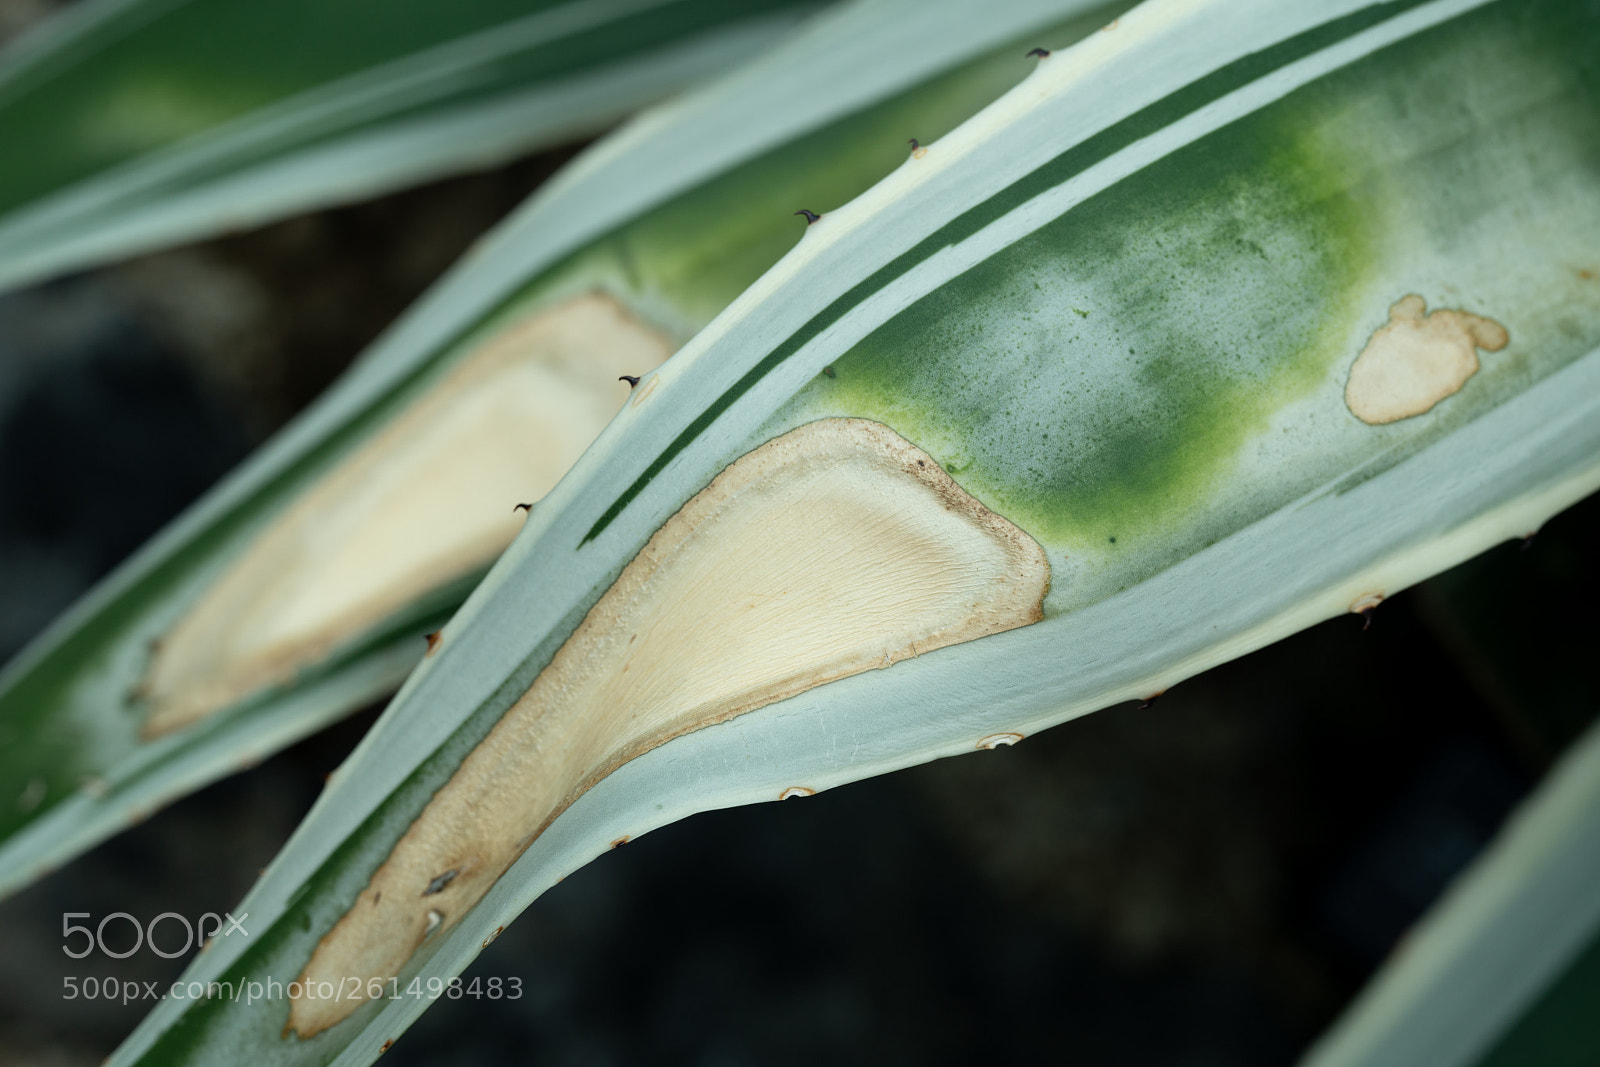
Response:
column 138, row 124
column 302, row 586
column 1116, row 317
column 1503, row 970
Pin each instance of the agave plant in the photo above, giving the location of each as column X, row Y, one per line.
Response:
column 300, row 589
column 1228, row 319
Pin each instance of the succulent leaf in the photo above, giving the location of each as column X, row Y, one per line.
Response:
column 1119, row 309
column 149, row 123
column 302, row 587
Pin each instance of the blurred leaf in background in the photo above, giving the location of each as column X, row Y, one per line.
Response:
column 125, row 126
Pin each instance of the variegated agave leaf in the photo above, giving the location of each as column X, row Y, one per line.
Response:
column 1231, row 318
column 131, row 125
column 301, row 588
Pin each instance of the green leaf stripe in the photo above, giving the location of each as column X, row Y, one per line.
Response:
column 1063, row 167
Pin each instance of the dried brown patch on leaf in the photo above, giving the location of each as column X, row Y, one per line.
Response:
column 1417, row 360
column 423, row 503
column 835, row 549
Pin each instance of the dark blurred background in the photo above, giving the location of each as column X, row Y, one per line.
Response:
column 1206, row 881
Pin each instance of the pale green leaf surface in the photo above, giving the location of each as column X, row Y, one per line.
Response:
column 131, row 124
column 708, row 179
column 1168, row 247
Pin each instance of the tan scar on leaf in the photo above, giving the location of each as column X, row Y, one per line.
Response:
column 426, row 501
column 1417, row 360
column 835, row 549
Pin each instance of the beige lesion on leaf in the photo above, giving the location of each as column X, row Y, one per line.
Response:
column 1417, row 359
column 427, row 500
column 835, row 549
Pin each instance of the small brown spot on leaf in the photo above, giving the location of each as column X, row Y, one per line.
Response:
column 440, row 881
column 498, row 930
column 434, row 641
column 1417, row 359
column 387, row 1045
column 619, row 842
column 1152, row 698
column 797, row 791
column 994, row 741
